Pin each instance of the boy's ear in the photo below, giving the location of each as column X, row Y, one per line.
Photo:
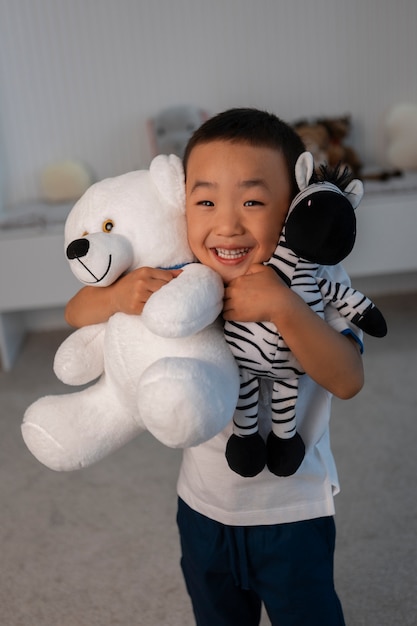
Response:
column 354, row 192
column 304, row 169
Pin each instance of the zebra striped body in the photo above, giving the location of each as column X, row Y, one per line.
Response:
column 261, row 351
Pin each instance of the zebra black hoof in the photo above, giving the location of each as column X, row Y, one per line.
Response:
column 373, row 322
column 246, row 455
column 284, row 456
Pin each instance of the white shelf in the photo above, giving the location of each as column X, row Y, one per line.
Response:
column 35, row 275
column 386, row 235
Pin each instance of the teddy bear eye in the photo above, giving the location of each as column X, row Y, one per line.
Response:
column 108, row 226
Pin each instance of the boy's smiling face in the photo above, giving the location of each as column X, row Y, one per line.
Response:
column 237, row 199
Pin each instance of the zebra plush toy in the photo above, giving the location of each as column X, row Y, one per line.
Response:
column 320, row 229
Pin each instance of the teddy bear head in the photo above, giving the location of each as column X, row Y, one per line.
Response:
column 129, row 221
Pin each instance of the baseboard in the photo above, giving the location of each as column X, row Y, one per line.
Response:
column 15, row 325
column 45, row 319
column 12, row 334
column 386, row 284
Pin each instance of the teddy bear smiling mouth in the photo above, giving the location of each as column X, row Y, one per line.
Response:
column 96, row 280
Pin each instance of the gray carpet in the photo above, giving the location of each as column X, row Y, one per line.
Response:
column 100, row 547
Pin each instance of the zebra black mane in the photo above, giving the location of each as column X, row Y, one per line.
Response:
column 338, row 176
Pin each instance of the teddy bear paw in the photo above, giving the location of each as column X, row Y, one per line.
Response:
column 184, row 402
column 46, row 449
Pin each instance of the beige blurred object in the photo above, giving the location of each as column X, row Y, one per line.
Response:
column 64, row 181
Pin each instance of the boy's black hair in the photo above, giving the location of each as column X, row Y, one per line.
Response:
column 253, row 127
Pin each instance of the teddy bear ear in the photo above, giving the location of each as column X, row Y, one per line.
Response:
column 354, row 192
column 304, row 169
column 167, row 173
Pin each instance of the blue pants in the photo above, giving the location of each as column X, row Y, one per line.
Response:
column 230, row 570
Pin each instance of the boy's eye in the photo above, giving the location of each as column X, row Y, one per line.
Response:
column 250, row 203
column 205, row 203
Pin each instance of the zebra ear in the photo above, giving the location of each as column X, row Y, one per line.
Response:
column 304, row 169
column 354, row 192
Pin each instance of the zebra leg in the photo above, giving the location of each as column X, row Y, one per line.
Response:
column 285, row 448
column 245, row 449
column 355, row 306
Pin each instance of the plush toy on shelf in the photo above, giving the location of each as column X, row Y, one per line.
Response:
column 168, row 370
column 401, row 135
column 170, row 130
column 319, row 230
column 315, row 138
column 325, row 138
column 338, row 152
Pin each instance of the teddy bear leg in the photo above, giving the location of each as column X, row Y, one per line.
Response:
column 73, row 431
column 80, row 358
column 185, row 401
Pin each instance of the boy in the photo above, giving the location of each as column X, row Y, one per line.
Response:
column 264, row 539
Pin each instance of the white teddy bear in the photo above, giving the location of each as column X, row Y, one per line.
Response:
column 168, row 370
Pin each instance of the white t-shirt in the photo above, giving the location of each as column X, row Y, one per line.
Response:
column 209, row 486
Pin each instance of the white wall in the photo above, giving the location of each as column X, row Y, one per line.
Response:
column 79, row 78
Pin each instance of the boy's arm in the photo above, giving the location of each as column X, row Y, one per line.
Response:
column 332, row 359
column 129, row 294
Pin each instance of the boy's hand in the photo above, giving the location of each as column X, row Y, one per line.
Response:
column 129, row 294
column 254, row 296
column 327, row 356
column 132, row 291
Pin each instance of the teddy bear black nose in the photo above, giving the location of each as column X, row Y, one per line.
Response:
column 78, row 248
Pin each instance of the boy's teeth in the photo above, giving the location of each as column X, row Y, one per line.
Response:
column 231, row 254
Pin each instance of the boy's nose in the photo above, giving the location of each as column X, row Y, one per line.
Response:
column 230, row 223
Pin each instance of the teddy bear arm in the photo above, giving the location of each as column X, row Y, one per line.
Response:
column 80, row 358
column 187, row 304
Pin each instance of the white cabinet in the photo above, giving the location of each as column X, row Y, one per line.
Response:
column 34, row 274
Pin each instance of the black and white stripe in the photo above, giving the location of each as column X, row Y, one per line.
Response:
column 261, row 352
column 350, row 303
